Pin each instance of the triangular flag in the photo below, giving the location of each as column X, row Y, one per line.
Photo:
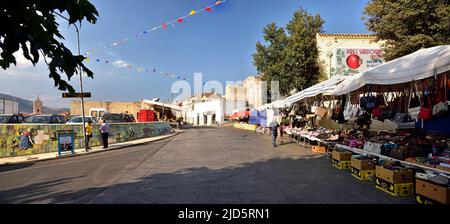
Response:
column 192, row 12
column 208, row 9
column 180, row 20
column 164, row 26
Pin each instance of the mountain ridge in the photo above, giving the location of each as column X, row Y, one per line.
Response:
column 27, row 105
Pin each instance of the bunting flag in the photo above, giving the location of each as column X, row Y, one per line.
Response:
column 163, row 26
column 137, row 69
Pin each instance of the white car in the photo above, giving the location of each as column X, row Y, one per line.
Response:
column 79, row 120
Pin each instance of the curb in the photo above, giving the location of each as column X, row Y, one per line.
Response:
column 115, row 147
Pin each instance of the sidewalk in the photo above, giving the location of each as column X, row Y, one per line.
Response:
column 54, row 155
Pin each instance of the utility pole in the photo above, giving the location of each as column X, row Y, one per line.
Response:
column 81, row 83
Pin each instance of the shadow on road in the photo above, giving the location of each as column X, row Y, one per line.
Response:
column 33, row 193
column 10, row 167
column 304, row 180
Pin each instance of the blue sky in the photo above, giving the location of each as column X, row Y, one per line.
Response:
column 219, row 44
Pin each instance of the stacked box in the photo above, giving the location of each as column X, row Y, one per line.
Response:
column 363, row 169
column 341, row 160
column 394, row 182
column 431, row 193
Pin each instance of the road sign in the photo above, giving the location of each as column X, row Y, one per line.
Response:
column 76, row 95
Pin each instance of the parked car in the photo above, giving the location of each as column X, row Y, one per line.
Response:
column 11, row 118
column 45, row 119
column 79, row 120
column 118, row 118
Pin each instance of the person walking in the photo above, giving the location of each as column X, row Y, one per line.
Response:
column 274, row 128
column 89, row 130
column 104, row 130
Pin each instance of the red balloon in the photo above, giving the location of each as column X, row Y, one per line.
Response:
column 354, row 61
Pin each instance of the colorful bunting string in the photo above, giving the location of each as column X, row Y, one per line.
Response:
column 163, row 26
column 139, row 69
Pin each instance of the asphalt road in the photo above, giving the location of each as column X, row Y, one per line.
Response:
column 202, row 165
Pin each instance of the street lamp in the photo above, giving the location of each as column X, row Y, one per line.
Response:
column 81, row 83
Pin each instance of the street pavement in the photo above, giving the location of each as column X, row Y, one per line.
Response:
column 201, row 165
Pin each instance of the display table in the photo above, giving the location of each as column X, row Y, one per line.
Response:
column 366, row 153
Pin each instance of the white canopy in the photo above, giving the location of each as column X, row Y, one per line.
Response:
column 419, row 65
column 274, row 105
column 168, row 105
column 326, row 87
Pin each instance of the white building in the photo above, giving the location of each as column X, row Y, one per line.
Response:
column 347, row 54
column 254, row 94
column 9, row 106
column 204, row 109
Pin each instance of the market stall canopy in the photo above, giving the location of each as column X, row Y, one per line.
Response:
column 274, row 105
column 326, row 88
column 239, row 114
column 419, row 65
column 167, row 105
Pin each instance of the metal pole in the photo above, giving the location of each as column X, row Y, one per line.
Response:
column 81, row 83
column 82, row 98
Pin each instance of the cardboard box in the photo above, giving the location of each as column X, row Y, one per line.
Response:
column 394, row 177
column 319, row 149
column 363, row 164
column 403, row 189
column 342, row 165
column 342, row 156
column 433, row 191
column 362, row 174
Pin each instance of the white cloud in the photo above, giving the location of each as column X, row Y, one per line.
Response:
column 22, row 62
column 120, row 63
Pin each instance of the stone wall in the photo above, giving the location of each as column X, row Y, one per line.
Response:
column 111, row 107
column 45, row 141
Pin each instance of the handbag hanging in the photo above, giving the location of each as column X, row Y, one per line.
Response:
column 441, row 107
column 321, row 111
column 414, row 102
column 426, row 112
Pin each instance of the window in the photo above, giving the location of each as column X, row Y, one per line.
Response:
column 94, row 113
column 14, row 119
column 4, row 118
column 38, row 119
column 60, row 119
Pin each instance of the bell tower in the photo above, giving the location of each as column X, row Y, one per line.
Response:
column 37, row 106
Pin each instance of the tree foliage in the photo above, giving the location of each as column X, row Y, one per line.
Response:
column 408, row 25
column 290, row 55
column 31, row 25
